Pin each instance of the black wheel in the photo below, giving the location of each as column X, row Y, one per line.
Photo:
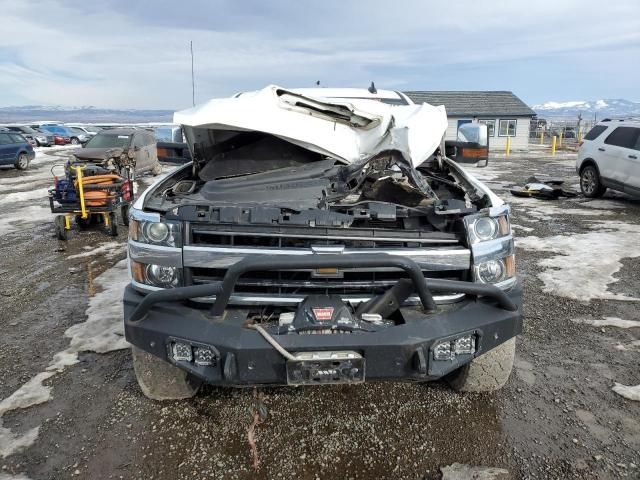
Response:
column 124, row 213
column 23, row 162
column 160, row 380
column 113, row 224
column 61, row 232
column 83, row 223
column 74, row 141
column 590, row 182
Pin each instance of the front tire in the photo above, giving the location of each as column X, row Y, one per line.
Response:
column 160, row 380
column 590, row 183
column 75, row 141
column 23, row 162
column 486, row 373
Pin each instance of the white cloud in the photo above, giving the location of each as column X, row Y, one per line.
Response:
column 118, row 54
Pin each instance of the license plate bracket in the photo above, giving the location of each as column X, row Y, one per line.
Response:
column 326, row 368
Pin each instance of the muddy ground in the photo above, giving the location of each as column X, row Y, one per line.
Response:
column 558, row 416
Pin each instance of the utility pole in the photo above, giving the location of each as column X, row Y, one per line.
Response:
column 193, row 83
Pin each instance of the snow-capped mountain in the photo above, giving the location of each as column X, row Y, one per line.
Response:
column 616, row 107
column 83, row 114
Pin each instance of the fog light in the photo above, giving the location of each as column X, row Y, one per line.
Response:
column 203, row 356
column 464, row 345
column 181, row 352
column 162, row 276
column 442, row 351
column 492, row 271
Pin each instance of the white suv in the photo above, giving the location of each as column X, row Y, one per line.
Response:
column 610, row 158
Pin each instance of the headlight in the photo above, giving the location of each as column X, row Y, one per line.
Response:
column 485, row 228
column 491, row 242
column 156, row 232
column 168, row 234
column 482, row 228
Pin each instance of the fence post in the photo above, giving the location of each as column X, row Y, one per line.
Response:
column 560, row 139
column 508, row 150
column 553, row 146
column 541, row 137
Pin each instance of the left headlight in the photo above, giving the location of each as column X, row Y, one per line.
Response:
column 168, row 234
column 484, row 228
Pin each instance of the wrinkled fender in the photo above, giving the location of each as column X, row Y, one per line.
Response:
column 496, row 201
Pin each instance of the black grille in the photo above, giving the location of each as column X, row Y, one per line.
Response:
column 284, row 282
column 307, row 237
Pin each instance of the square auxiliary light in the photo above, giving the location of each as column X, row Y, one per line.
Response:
column 442, row 351
column 181, row 352
column 204, row 356
column 464, row 345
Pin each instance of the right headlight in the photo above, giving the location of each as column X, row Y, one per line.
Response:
column 491, row 243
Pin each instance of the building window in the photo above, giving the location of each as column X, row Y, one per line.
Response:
column 507, row 128
column 491, row 127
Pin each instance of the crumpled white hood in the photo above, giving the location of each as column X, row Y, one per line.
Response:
column 347, row 129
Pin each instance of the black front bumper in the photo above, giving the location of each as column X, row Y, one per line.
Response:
column 245, row 358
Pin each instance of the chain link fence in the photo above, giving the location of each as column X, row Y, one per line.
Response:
column 542, row 131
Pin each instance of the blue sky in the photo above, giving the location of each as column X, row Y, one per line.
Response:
column 135, row 54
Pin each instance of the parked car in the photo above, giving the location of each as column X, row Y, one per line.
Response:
column 15, row 150
column 42, row 139
column 79, row 134
column 129, row 148
column 609, row 158
column 89, row 130
column 317, row 240
column 61, row 136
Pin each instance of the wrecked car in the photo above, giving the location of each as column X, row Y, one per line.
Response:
column 122, row 150
column 319, row 238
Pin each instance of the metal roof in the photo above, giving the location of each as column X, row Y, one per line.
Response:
column 475, row 103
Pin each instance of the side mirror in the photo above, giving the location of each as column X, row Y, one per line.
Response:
column 474, row 133
column 136, row 148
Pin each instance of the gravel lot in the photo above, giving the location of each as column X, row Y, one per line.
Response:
column 81, row 414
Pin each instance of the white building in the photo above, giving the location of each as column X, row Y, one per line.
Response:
column 504, row 113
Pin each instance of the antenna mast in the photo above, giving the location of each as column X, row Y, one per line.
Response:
column 193, row 84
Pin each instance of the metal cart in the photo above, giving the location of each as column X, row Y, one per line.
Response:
column 90, row 203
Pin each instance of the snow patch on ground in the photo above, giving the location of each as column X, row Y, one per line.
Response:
column 603, row 204
column 19, row 476
column 459, row 471
column 632, row 393
column 629, row 346
column 521, row 227
column 609, row 322
column 572, row 273
column 110, row 250
column 39, row 194
column 23, row 217
column 547, row 209
column 102, row 332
